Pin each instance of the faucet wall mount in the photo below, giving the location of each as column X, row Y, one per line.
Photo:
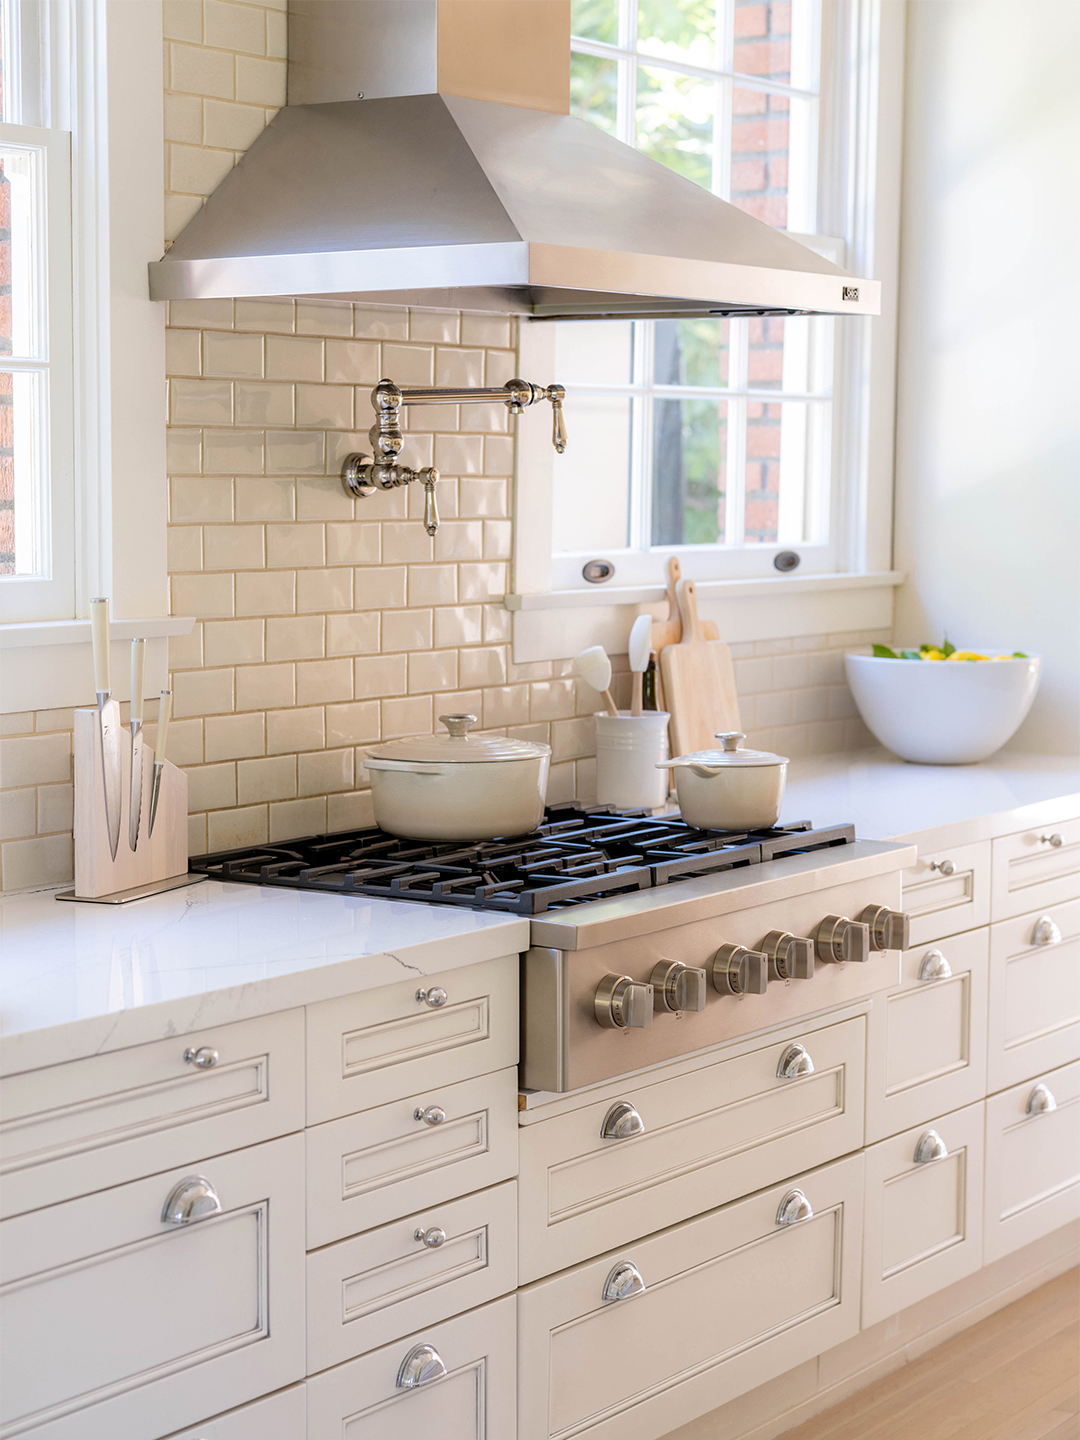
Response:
column 363, row 475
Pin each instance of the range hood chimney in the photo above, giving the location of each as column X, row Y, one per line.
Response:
column 459, row 180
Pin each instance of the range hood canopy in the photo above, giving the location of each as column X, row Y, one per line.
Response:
column 446, row 200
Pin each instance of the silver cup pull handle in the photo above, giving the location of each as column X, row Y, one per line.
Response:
column 794, row 1209
column 190, row 1199
column 794, row 1063
column 622, row 1282
column 931, row 1147
column 622, row 1122
column 934, row 967
column 421, row 1366
column 1041, row 1101
column 1046, row 931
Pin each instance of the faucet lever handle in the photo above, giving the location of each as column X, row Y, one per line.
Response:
column 557, row 394
column 429, row 477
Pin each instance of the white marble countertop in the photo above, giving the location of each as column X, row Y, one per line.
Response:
column 78, row 979
column 888, row 799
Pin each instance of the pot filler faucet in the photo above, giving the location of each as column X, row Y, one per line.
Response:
column 365, row 474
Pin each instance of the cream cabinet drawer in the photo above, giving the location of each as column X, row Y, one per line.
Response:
column 91, row 1124
column 414, row 1272
column 730, row 1300
column 1036, row 867
column 367, row 1049
column 947, row 891
column 923, row 1221
column 926, row 1047
column 112, row 1319
column 709, row 1136
column 470, row 1396
column 1032, row 1160
column 1034, row 994
column 279, row 1417
column 370, row 1168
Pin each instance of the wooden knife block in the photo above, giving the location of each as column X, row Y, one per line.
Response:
column 157, row 857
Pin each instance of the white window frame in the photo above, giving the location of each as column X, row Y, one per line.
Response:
column 94, row 71
column 858, row 201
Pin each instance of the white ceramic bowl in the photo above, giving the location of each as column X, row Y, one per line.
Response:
column 942, row 712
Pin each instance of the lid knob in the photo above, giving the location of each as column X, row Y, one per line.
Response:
column 458, row 725
column 731, row 740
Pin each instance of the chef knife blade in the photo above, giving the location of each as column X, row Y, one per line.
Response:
column 164, row 711
column 138, row 660
column 108, row 720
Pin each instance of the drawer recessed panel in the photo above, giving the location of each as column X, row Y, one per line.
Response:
column 1034, row 993
column 1036, row 867
column 948, row 891
column 277, row 1417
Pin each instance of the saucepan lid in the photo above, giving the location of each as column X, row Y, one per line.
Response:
column 711, row 762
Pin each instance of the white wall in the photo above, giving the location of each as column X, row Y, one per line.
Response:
column 988, row 422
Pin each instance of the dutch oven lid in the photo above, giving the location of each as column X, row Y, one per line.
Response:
column 458, row 746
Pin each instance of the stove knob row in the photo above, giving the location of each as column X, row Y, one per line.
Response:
column 739, row 971
column 678, row 987
column 790, row 956
column 623, row 1003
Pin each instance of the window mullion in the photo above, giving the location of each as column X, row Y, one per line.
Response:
column 642, row 412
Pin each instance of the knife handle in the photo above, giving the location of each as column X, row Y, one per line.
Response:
column 99, row 636
column 138, row 664
column 163, row 714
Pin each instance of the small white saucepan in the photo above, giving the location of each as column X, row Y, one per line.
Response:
column 729, row 789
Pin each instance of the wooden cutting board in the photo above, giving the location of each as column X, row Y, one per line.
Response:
column 669, row 631
column 699, row 683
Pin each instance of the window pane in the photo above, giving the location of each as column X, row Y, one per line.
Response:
column 594, row 89
column 775, row 38
column 759, row 154
column 676, row 117
column 765, row 366
column 787, row 461
column 595, row 19
column 679, row 30
column 691, row 352
column 21, row 250
column 594, row 352
column 689, row 482
column 592, row 480
column 22, row 500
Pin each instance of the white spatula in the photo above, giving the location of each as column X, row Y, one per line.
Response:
column 639, row 648
column 594, row 667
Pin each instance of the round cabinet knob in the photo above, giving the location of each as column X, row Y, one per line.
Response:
column 436, row 997
column 623, row 1281
column 621, row 1122
column 1046, row 931
column 205, row 1058
column 739, row 971
column 190, row 1199
column 430, row 1115
column 945, row 867
column 889, row 929
column 1054, row 840
column 794, row 1208
column 678, row 987
column 421, row 1365
column 622, row 1003
column 1040, row 1101
column 790, row 957
column 794, row 1064
column 839, row 939
column 934, row 967
column 930, row 1147
column 432, row 1238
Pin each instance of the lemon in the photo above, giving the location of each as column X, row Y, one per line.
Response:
column 967, row 655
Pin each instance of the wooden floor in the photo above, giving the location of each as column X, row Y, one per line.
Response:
column 1013, row 1376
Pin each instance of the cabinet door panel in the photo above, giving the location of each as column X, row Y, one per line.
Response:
column 366, row 1050
column 942, row 903
column 151, row 1318
column 1032, row 1162
column 1029, row 870
column 1034, row 994
column 927, row 1038
column 278, row 1417
column 923, row 1221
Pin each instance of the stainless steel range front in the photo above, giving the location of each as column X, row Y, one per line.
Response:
column 650, row 939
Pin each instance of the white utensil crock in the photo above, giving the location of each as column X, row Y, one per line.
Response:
column 628, row 750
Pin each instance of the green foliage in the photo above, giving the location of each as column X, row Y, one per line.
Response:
column 595, row 20
column 884, row 653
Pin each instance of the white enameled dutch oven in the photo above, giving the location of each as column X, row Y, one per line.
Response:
column 729, row 789
column 458, row 786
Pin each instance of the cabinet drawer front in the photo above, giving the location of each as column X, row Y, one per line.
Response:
column 927, row 1038
column 153, row 1319
column 370, row 1168
column 710, row 1135
column 942, row 903
column 365, row 1050
column 1029, row 870
column 1032, row 1162
column 377, row 1287
column 279, row 1417
column 474, row 1400
column 731, row 1299
column 923, row 1221
column 1034, row 994
column 71, row 1129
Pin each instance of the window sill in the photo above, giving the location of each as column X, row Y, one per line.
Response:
column 561, row 623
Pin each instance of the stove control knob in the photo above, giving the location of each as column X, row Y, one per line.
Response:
column 678, row 987
column 622, row 1003
column 889, row 929
column 790, row 956
column 839, row 938
column 738, row 971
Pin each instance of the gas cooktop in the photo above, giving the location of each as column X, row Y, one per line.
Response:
column 580, row 853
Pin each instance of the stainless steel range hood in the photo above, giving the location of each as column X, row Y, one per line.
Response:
column 448, row 200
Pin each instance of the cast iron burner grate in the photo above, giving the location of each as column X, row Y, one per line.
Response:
column 580, row 853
